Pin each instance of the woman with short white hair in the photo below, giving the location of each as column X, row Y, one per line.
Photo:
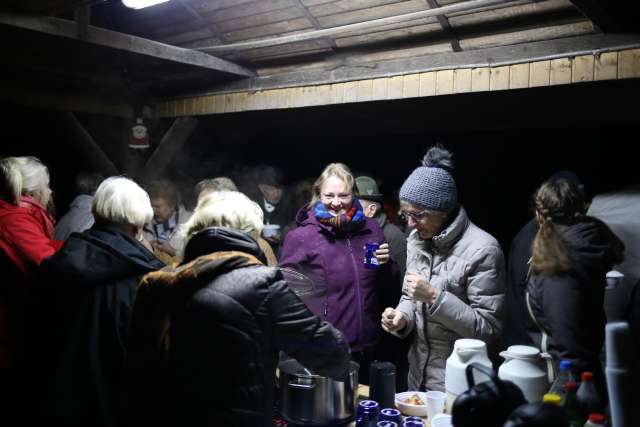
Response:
column 205, row 339
column 93, row 279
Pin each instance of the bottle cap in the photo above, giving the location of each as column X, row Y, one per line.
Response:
column 552, row 398
column 570, row 385
column 596, row 418
column 565, row 365
column 587, row 376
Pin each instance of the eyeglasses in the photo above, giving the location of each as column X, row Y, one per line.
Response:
column 416, row 216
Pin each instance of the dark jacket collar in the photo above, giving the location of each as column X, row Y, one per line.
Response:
column 216, row 239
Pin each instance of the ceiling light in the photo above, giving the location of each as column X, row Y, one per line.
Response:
column 139, row 4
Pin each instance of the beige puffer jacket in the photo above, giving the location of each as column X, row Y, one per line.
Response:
column 467, row 264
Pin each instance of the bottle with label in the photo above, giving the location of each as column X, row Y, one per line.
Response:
column 587, row 395
column 564, row 376
column 570, row 405
column 595, row 420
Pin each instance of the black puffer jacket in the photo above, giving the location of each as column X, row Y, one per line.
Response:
column 91, row 281
column 570, row 306
column 225, row 333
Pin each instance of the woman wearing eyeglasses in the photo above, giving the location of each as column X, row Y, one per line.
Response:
column 454, row 285
column 328, row 246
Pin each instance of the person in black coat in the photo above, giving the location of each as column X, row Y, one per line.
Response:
column 91, row 282
column 571, row 256
column 517, row 320
column 205, row 339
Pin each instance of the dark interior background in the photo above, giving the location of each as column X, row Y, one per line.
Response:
column 504, row 143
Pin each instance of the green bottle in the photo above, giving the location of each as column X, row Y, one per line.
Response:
column 571, row 406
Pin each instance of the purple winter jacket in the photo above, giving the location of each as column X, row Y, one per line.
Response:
column 336, row 260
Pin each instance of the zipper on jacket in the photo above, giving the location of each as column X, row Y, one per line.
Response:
column 357, row 276
column 423, row 381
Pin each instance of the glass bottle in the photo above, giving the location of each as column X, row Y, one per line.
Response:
column 587, row 395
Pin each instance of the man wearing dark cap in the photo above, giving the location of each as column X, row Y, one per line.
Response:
column 390, row 347
column 276, row 204
column 371, row 200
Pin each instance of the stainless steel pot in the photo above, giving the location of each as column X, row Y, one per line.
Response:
column 313, row 400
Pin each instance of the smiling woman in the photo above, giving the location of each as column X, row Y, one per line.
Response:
column 328, row 246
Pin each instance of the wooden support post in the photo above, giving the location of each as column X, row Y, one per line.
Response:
column 88, row 149
column 82, row 16
column 172, row 141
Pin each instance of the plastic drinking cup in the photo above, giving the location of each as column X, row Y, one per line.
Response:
column 370, row 260
column 441, row 420
column 435, row 403
column 391, row 414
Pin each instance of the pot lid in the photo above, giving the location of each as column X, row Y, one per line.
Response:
column 522, row 352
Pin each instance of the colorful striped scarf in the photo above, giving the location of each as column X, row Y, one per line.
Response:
column 352, row 219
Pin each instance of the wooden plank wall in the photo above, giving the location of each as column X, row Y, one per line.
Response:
column 622, row 64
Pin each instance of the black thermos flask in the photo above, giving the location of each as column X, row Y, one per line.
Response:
column 382, row 383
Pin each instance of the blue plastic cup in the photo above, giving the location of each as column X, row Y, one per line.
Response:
column 370, row 260
column 391, row 414
column 387, row 423
column 367, row 413
column 413, row 422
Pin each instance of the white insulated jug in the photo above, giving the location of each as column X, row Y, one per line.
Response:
column 525, row 367
column 465, row 351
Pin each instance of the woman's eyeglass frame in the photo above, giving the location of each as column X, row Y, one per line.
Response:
column 416, row 216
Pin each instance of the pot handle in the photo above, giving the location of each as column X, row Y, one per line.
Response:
column 302, row 386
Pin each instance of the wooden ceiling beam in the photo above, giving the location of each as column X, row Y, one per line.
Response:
column 124, row 42
column 488, row 57
column 375, row 23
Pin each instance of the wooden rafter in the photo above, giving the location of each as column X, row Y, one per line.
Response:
column 315, row 22
column 489, row 57
column 124, row 42
column 446, row 27
column 375, row 23
column 200, row 20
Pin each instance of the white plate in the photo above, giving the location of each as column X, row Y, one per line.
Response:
column 408, row 408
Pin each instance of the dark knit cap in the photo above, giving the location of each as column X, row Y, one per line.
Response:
column 431, row 185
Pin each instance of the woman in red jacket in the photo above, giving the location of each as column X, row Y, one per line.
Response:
column 26, row 233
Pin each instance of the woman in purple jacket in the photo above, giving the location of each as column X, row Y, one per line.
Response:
column 328, row 246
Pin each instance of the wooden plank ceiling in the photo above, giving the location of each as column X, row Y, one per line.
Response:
column 195, row 46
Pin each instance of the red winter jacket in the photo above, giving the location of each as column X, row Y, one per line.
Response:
column 25, row 240
column 26, row 233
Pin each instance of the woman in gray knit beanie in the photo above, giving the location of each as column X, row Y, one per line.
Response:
column 454, row 285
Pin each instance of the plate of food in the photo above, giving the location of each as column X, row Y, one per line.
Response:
column 412, row 403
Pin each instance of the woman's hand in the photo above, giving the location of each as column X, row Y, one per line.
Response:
column 393, row 320
column 382, row 254
column 419, row 289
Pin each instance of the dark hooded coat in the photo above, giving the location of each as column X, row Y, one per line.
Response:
column 91, row 282
column 205, row 338
column 570, row 306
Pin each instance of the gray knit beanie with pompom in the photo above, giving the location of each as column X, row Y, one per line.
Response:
column 431, row 185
